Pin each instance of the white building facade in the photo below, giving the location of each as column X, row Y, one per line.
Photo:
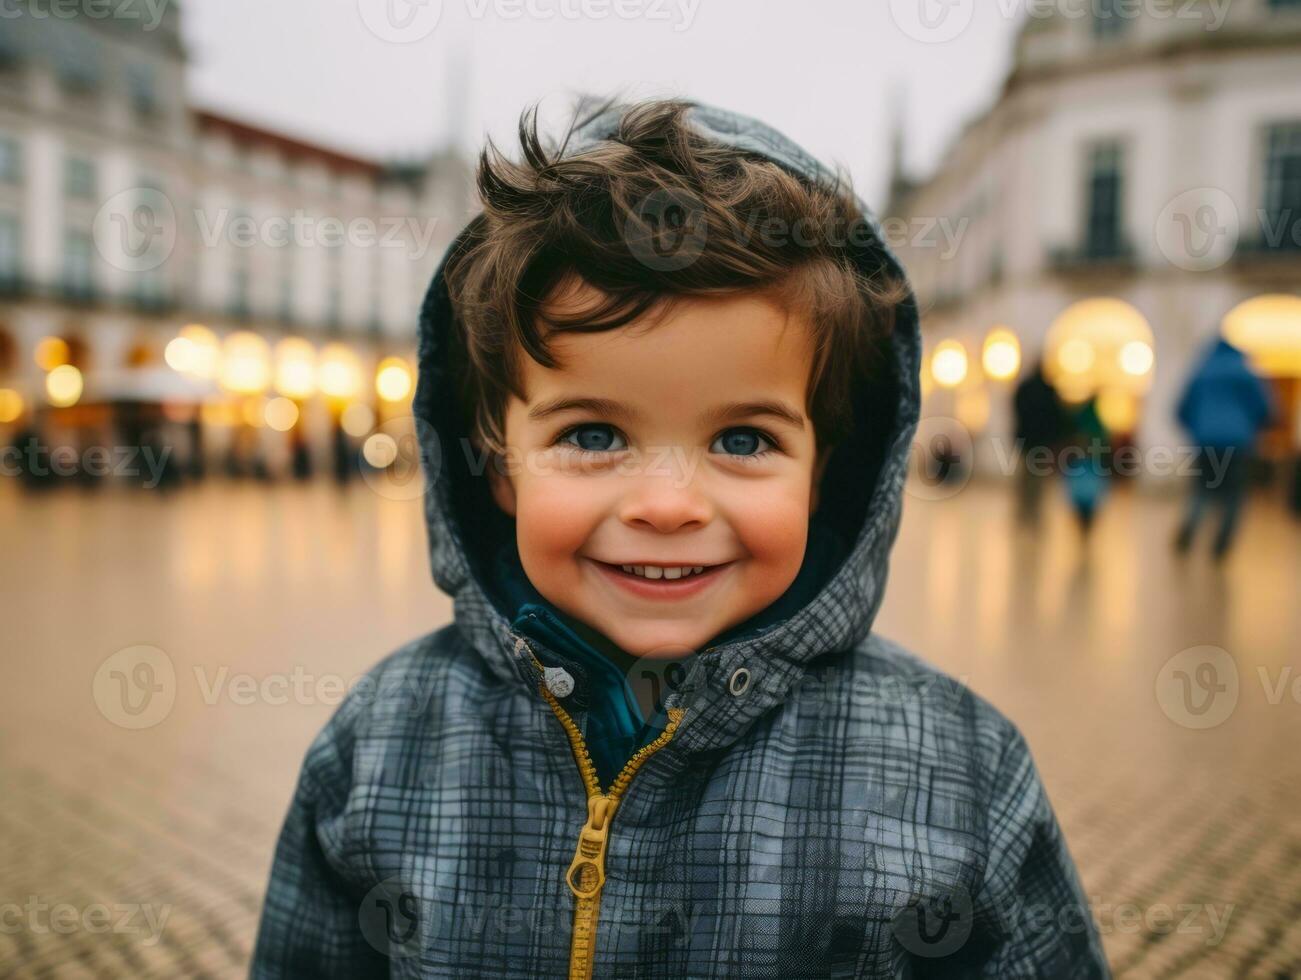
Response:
column 127, row 214
column 1149, row 159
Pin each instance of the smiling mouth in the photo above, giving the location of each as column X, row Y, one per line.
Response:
column 669, row 572
column 661, row 581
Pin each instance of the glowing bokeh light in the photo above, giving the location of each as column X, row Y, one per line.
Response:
column 393, row 379
column 280, row 414
column 295, row 368
column 245, row 363
column 1001, row 357
column 52, row 352
column 380, row 450
column 357, row 419
column 181, row 354
column 949, row 364
column 339, row 373
column 1137, row 358
column 64, row 385
column 11, row 405
column 1076, row 356
column 204, row 356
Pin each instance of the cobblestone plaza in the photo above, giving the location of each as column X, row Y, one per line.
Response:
column 1159, row 695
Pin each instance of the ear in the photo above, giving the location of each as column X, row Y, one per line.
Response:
column 503, row 490
column 819, row 467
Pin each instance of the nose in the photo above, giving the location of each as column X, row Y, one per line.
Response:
column 665, row 505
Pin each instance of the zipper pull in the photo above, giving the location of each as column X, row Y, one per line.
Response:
column 587, row 872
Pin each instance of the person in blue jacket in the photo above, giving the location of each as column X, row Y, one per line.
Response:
column 1224, row 406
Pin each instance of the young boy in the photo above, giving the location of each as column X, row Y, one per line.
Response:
column 668, row 385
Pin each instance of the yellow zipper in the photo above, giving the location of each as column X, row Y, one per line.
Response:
column 586, row 875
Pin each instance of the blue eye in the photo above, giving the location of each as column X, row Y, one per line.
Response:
column 740, row 442
column 594, row 438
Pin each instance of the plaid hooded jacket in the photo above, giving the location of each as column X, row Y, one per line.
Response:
column 822, row 803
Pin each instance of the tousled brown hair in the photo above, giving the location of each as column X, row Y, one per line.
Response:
column 655, row 213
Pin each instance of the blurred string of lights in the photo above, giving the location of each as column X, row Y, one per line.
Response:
column 1099, row 348
column 272, row 385
column 241, row 380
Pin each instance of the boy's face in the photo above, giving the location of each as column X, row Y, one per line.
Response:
column 666, row 448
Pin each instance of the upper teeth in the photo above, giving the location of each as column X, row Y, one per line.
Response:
column 660, row 571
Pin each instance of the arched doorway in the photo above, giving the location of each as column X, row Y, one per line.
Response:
column 11, row 399
column 1102, row 347
column 142, row 354
column 67, row 348
column 8, row 353
column 1267, row 328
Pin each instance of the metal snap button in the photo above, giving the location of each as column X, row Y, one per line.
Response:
column 739, row 682
column 558, row 681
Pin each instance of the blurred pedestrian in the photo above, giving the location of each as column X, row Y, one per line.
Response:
column 1224, row 407
column 1082, row 463
column 1041, row 426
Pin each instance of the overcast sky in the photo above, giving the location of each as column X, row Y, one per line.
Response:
column 382, row 78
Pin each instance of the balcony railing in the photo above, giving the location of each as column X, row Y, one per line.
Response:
column 78, row 293
column 1094, row 255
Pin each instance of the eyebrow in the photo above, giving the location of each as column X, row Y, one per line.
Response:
column 612, row 409
column 772, row 408
column 597, row 406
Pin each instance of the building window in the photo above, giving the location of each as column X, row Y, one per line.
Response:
column 150, row 240
column 78, row 264
column 10, row 248
column 1281, row 220
column 996, row 266
column 241, row 238
column 334, row 288
column 1104, row 201
column 334, row 309
column 141, row 89
column 79, row 178
column 286, row 286
column 78, row 65
column 285, row 302
column 239, row 306
column 1110, row 19
column 376, row 294
column 11, row 160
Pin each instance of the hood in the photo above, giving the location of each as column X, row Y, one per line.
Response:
column 860, row 496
